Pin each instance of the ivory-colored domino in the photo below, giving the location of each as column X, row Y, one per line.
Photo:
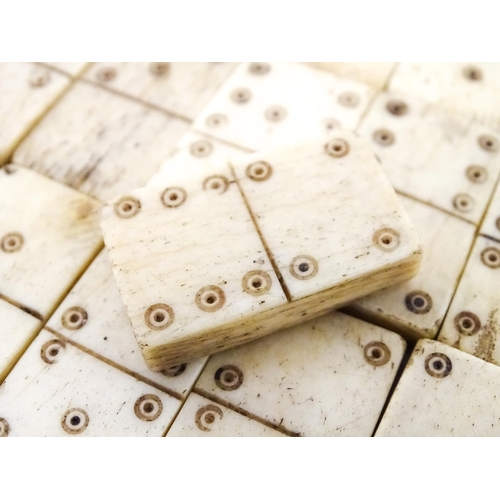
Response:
column 201, row 417
column 375, row 74
column 473, row 321
column 57, row 390
column 202, row 267
column 26, row 92
column 93, row 315
column 180, row 87
column 472, row 89
column 100, row 143
column 17, row 330
column 417, row 307
column 74, row 69
column 327, row 377
column 441, row 158
column 491, row 223
column 194, row 155
column 444, row 392
column 48, row 235
column 265, row 105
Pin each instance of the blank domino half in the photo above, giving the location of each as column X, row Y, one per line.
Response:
column 233, row 256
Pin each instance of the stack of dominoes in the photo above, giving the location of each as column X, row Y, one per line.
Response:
column 176, row 236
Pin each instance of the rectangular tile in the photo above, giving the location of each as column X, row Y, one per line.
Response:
column 201, row 417
column 443, row 159
column 195, row 154
column 473, row 321
column 267, row 105
column 100, row 143
column 327, row 377
column 48, row 235
column 444, row 392
column 472, row 89
column 417, row 307
column 183, row 88
column 17, row 330
column 26, row 92
column 57, row 390
column 93, row 315
column 201, row 247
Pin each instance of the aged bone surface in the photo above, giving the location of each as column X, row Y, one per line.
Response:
column 27, row 91
column 178, row 87
column 58, row 390
column 444, row 392
column 473, row 320
column 49, row 234
column 441, row 158
column 259, row 245
column 258, row 107
column 327, row 377
column 417, row 307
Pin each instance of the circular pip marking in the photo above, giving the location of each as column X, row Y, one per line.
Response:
column 74, row 318
column 438, row 365
column 259, row 68
column 467, row 323
column 418, row 302
column 201, row 148
column 228, row 378
column 106, row 74
column 259, row 171
column 12, row 242
column 127, row 207
column 472, row 73
column 349, row 99
column 4, row 428
column 159, row 316
column 476, row 174
column 386, row 239
column 173, row 197
column 256, row 282
column 384, row 137
column 488, row 143
column 397, row 107
column 210, row 298
column 463, row 202
column 51, row 350
column 75, row 421
column 216, row 183
column 148, row 407
column 275, row 113
column 216, row 120
column 377, row 353
column 159, row 68
column 337, row 148
column 332, row 124
column 491, row 257
column 304, row 267
column 174, row 371
column 40, row 78
column 241, row 95
column 205, row 417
